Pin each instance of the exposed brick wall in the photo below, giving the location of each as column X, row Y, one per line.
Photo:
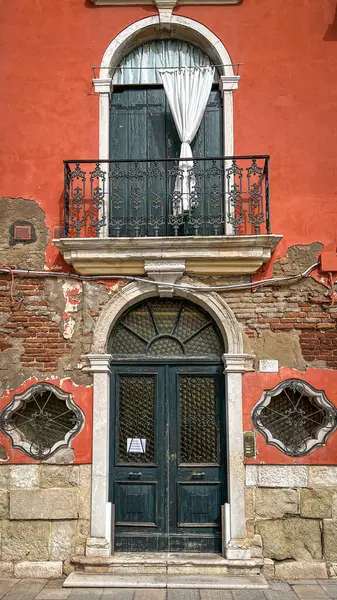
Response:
column 301, row 307
column 34, row 323
column 37, row 324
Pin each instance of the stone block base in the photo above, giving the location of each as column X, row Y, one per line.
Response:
column 97, row 547
column 293, row 569
column 43, row 570
column 6, row 570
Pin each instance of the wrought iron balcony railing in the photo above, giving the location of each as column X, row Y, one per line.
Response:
column 199, row 197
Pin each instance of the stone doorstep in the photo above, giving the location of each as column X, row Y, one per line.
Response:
column 83, row 580
column 164, row 558
column 166, row 563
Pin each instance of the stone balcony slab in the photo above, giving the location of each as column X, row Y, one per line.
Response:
column 202, row 255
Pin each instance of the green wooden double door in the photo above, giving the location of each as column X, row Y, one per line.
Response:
column 167, row 457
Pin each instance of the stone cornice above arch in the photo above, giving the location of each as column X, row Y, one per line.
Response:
column 165, row 7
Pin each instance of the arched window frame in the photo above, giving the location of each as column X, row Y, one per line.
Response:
column 141, row 32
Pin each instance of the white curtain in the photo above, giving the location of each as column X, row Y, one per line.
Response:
column 187, row 91
column 142, row 65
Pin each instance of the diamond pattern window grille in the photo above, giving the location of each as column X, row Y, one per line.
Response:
column 162, row 327
column 295, row 417
column 198, row 420
column 41, row 420
column 136, row 417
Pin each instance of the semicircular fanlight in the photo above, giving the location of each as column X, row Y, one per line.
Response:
column 161, row 327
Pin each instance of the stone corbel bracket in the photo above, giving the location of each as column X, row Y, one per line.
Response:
column 229, row 83
column 238, row 363
column 166, row 272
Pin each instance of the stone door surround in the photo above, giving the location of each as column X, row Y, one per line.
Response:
column 235, row 364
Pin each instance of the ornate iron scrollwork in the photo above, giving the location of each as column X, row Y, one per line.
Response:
column 209, row 196
column 295, row 417
column 41, row 420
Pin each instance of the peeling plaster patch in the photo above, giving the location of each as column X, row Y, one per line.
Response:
column 13, row 209
column 68, row 328
column 297, row 259
column 300, row 257
column 115, row 285
column 282, row 346
column 72, row 296
column 317, row 364
column 63, row 456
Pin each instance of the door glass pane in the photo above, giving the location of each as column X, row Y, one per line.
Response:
column 136, row 419
column 166, row 346
column 198, row 421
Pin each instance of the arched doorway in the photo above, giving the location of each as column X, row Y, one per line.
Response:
column 167, row 467
column 235, row 363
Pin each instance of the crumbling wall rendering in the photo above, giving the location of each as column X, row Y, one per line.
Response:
column 47, row 323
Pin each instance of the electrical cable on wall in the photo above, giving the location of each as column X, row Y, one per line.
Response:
column 12, row 271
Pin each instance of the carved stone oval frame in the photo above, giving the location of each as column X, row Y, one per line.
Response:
column 309, row 391
column 17, row 437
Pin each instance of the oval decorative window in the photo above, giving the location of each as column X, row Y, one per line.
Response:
column 295, row 417
column 161, row 327
column 41, row 420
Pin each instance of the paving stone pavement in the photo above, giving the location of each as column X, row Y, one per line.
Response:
column 41, row 589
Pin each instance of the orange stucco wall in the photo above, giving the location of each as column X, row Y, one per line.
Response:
column 286, row 105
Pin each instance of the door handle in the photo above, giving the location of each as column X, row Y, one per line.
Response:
column 198, row 475
column 134, row 475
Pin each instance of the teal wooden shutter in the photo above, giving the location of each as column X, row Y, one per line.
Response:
column 141, row 129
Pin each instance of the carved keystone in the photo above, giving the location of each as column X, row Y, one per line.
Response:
column 165, row 272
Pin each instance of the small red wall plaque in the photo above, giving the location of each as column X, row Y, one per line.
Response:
column 22, row 232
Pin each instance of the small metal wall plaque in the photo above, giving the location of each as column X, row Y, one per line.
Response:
column 249, row 445
column 136, row 445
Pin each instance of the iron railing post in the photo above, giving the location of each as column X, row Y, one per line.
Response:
column 267, row 194
column 66, row 199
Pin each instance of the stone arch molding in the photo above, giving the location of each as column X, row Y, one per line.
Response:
column 150, row 28
column 136, row 292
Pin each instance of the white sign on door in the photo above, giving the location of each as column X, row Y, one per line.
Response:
column 136, row 445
